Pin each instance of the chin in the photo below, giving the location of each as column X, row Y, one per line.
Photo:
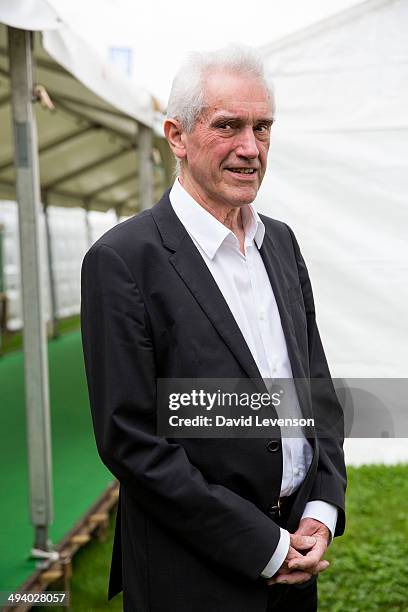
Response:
column 245, row 196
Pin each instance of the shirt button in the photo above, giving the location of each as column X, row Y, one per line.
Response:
column 262, row 315
column 296, row 471
column 273, row 446
column 272, row 510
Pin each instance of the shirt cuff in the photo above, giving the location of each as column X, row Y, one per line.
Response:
column 324, row 512
column 278, row 556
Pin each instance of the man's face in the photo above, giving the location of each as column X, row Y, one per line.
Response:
column 226, row 153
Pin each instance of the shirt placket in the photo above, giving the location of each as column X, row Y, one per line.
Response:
column 260, row 323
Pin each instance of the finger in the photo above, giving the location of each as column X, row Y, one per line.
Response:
column 311, row 558
column 309, row 562
column 301, row 542
column 322, row 566
column 293, row 553
column 281, row 572
column 293, row 578
column 273, row 580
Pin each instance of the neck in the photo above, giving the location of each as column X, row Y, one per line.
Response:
column 230, row 216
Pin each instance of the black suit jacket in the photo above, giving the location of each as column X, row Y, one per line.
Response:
column 193, row 530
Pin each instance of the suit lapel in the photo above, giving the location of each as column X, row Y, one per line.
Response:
column 280, row 289
column 191, row 267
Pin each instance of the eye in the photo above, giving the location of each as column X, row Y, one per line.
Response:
column 226, row 126
column 263, row 128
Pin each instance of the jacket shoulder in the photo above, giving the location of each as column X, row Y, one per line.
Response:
column 276, row 229
column 137, row 235
column 126, row 235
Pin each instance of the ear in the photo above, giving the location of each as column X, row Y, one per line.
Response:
column 174, row 135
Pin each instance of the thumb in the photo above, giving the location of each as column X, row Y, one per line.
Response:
column 301, row 542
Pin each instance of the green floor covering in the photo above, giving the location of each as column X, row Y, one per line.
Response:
column 78, row 475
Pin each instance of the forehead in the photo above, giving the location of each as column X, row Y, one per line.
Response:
column 229, row 93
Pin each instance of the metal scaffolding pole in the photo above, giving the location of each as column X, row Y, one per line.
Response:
column 118, row 212
column 145, row 167
column 3, row 296
column 51, row 277
column 34, row 333
column 88, row 227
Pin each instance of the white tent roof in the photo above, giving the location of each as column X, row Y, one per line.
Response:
column 88, row 144
column 339, row 176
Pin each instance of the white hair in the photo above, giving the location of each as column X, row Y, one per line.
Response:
column 187, row 98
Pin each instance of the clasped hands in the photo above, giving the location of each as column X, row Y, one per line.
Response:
column 304, row 559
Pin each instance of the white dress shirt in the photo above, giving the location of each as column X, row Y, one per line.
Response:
column 244, row 283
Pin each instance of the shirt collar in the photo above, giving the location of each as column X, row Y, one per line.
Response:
column 206, row 230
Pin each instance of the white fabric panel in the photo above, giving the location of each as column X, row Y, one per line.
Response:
column 363, row 451
column 338, row 174
column 29, row 14
column 11, row 254
column 68, row 50
column 69, row 244
column 101, row 223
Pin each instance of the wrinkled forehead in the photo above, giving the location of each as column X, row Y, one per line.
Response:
column 242, row 96
column 245, row 113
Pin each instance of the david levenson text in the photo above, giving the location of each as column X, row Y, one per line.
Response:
column 241, row 421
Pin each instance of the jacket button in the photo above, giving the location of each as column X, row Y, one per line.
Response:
column 272, row 510
column 273, row 446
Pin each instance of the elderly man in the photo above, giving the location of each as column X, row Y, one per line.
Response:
column 201, row 286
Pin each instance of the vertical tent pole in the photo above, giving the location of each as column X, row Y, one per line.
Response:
column 88, row 228
column 3, row 297
column 34, row 334
column 118, row 212
column 51, row 277
column 145, row 167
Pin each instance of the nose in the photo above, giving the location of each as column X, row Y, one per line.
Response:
column 247, row 145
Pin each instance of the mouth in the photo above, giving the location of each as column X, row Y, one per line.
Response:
column 242, row 170
column 243, row 173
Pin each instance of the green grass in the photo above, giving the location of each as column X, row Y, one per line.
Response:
column 369, row 563
column 368, row 569
column 89, row 582
column 13, row 341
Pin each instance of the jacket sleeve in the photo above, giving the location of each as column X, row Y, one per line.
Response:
column 330, row 482
column 215, row 522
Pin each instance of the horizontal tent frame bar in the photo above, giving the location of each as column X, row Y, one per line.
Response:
column 54, row 144
column 88, row 167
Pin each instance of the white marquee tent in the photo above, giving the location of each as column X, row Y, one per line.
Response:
column 338, row 174
column 98, row 146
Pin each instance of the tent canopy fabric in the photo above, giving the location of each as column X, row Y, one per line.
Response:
column 30, row 14
column 98, row 148
column 338, row 174
column 88, row 135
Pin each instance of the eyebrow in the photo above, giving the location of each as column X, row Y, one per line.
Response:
column 220, row 118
